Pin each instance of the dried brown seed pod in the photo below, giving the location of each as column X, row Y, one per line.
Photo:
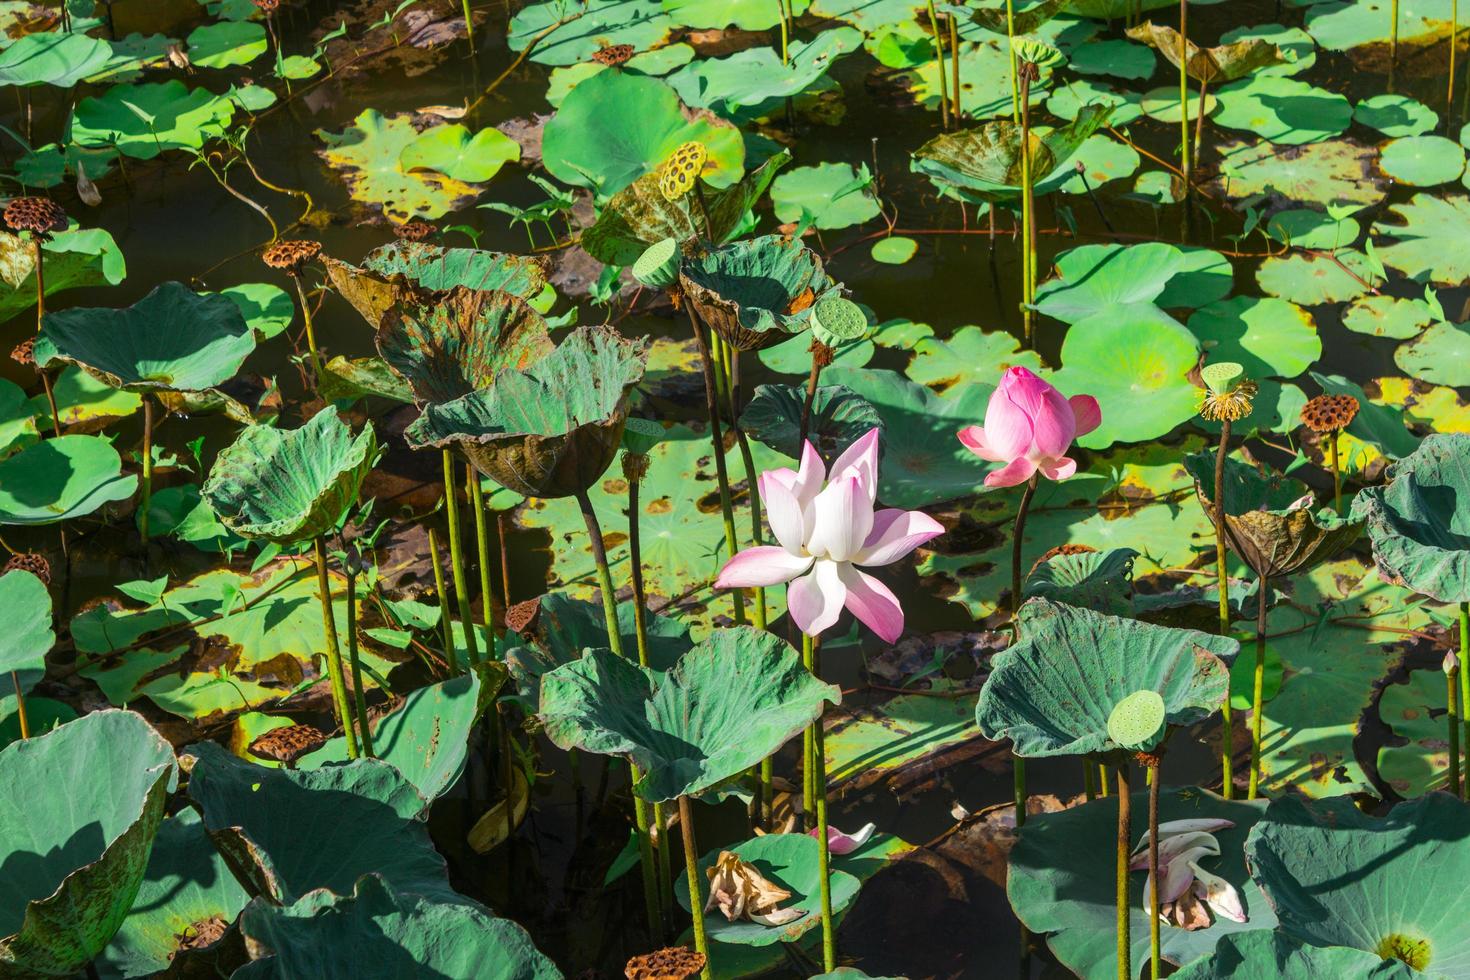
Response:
column 24, row 352
column 286, row 745
column 413, row 231
column 291, row 255
column 33, row 562
column 519, row 617
column 613, row 55
column 635, row 466
column 1329, row 413
column 268, row 6
column 673, row 963
column 40, row 216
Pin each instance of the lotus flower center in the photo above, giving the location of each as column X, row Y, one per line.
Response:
column 1397, row 946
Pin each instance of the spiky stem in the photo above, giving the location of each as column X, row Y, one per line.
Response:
column 717, row 442
column 20, row 706
column 1125, row 951
column 359, row 694
column 824, row 859
column 316, row 358
column 456, row 560
column 1155, row 961
column 1011, row 49
column 1018, row 764
column 1184, row 92
column 757, row 533
column 691, row 874
column 1222, row 582
column 41, row 315
column 147, row 481
column 445, row 620
column 1257, row 686
column 334, row 653
column 482, row 555
column 1028, row 211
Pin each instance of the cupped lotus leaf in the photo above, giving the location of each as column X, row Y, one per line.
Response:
column 289, row 485
column 447, row 344
column 1014, row 18
column 1297, row 46
column 550, row 430
column 225, row 44
column 756, row 81
column 639, row 215
column 1061, row 882
column 1048, row 712
column 1222, row 63
column 1339, row 877
column 1338, row 171
column 1396, row 115
column 1283, row 110
column 382, row 931
column 187, row 889
column 1271, row 521
column 985, row 162
column 1268, row 337
column 173, row 339
column 788, row 861
column 256, row 816
column 730, row 702
column 28, row 636
column 1432, row 241
column 839, row 417
column 1422, row 161
column 968, row 354
column 143, row 120
column 351, row 378
column 452, row 151
column 73, row 258
column 60, row 58
column 616, row 126
column 372, row 289
column 748, row 15
column 366, row 154
column 61, row 478
column 565, row 33
column 1262, row 953
column 1098, row 580
column 1439, row 355
column 74, row 860
column 835, row 195
column 1419, row 526
column 757, row 292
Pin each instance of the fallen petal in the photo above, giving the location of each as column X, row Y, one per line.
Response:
column 779, row 917
column 839, row 843
column 1219, row 894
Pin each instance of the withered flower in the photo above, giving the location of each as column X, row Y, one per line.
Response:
column 739, row 891
column 286, row 745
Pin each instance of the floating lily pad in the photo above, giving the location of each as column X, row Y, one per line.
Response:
column 1311, row 279
column 74, row 860
column 835, row 195
column 1330, row 172
column 1429, row 242
column 1417, row 759
column 17, row 419
column 1387, row 316
column 1296, row 44
column 61, row 479
column 1260, row 954
column 970, row 354
column 744, row 14
column 1439, row 355
column 268, row 309
column 145, row 119
column 226, row 44
column 1283, row 110
column 452, row 151
column 1123, row 280
column 753, row 81
column 1116, row 57
column 1068, row 100
column 568, row 33
column 1310, row 228
column 1422, row 161
column 73, row 259
column 794, row 356
column 1348, row 24
column 1162, row 104
column 29, row 636
column 60, row 58
column 730, row 702
column 367, row 155
column 894, row 249
column 1268, row 337
column 1396, row 115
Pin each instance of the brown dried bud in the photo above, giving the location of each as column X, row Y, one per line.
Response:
column 40, row 216
column 822, row 355
column 413, row 231
column 33, row 562
column 1329, row 413
column 268, row 6
column 635, row 466
column 673, row 963
column 290, row 256
column 614, row 55
column 286, row 745
column 24, row 353
column 1149, row 760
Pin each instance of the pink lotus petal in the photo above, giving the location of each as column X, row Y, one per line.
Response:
column 973, row 438
column 895, row 533
column 783, row 513
column 1008, row 430
column 810, row 478
column 1057, row 469
column 1087, row 412
column 840, row 844
column 1218, row 894
column 1014, row 473
column 872, row 603
column 860, row 459
column 842, row 519
column 815, row 599
column 761, row 566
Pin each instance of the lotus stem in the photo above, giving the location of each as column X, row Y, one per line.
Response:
column 40, row 315
column 1028, row 209
column 20, row 706
column 469, row 27
column 939, row 56
column 1393, row 33
column 1336, row 477
column 456, row 560
column 808, row 743
column 691, row 873
column 316, row 358
column 717, row 442
column 1449, row 98
column 1222, row 582
column 824, row 856
column 1155, row 962
column 1452, row 718
column 1199, row 119
column 502, row 528
column 1015, row 86
column 1184, row 92
column 482, row 556
column 954, row 68
column 635, row 560
column 821, row 357
column 664, row 863
column 785, row 33
column 1125, row 952
column 359, row 694
column 1264, row 585
column 147, row 480
column 757, row 533
column 445, row 620
column 1018, row 764
column 709, row 226
column 1102, row 780
column 334, row 653
column 1089, row 780
column 1465, row 688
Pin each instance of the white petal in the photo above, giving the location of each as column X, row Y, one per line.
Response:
column 784, row 514
column 842, row 520
column 778, row 917
column 860, row 460
column 1219, row 895
column 815, row 600
column 895, row 533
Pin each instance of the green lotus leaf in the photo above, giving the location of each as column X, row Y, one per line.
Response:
column 565, row 34
column 1122, row 280
column 791, row 861
column 1283, row 110
column 1387, row 316
column 1416, row 759
column 1418, row 527
column 1312, row 279
column 757, row 292
column 924, row 463
column 1430, row 243
column 1439, row 355
column 794, row 354
column 835, row 195
column 1310, row 228
column 17, row 419
column 616, row 126
column 1011, row 19
column 55, row 58
column 267, row 308
column 181, row 513
column 1101, row 581
column 289, row 485
column 1223, row 63
column 1268, row 337
column 1116, row 57
column 968, row 354
column 755, row 82
column 1061, row 882
column 639, row 215
column 1272, row 954
column 372, row 289
column 1354, row 23
column 1339, row 877
column 748, row 15
column 1330, row 172
column 550, row 430
column 447, row 344
column 255, row 817
column 61, row 478
column 427, row 737
column 29, row 637
column 74, row 860
column 1098, row 161
column 145, row 119
column 379, row 930
column 1396, row 115
column 454, row 152
column 173, row 339
column 985, row 163
column 187, row 889
column 1422, row 161
column 1296, row 45
column 730, row 702
column 74, row 258
column 839, row 417
column 986, row 64
column 1271, row 521
column 42, row 715
column 348, row 379
column 366, row 155
column 894, row 249
column 226, row 44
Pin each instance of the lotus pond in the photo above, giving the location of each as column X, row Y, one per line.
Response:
column 671, row 488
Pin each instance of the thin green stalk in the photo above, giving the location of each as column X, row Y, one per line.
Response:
column 1222, row 582
column 1125, row 952
column 1155, row 962
column 1449, row 99
column 40, row 316
column 1260, row 677
column 1184, row 91
column 1018, row 764
column 1028, row 210
column 1336, row 476
column 633, row 469
column 334, row 653
column 785, row 33
column 665, row 862
column 757, row 532
column 954, row 69
column 1452, row 718
column 1465, row 690
column 1102, row 779
column 445, row 620
column 819, row 770
column 20, row 706
column 939, row 55
column 1089, row 780
column 1393, row 33
column 1010, row 48
column 717, row 444
column 696, row 893
column 359, row 693
column 456, row 560
column 316, row 359
column 469, row 25
column 482, row 555
column 808, row 745
column 147, row 480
